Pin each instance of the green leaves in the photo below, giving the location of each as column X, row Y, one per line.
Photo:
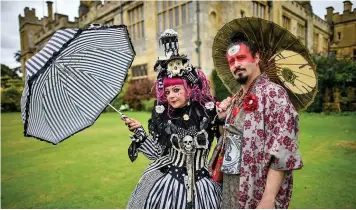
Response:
column 221, row 91
column 336, row 82
column 335, row 72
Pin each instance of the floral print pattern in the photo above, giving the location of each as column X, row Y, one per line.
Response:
column 269, row 141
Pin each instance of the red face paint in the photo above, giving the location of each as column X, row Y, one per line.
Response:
column 238, row 55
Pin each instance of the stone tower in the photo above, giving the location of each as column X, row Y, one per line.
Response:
column 29, row 26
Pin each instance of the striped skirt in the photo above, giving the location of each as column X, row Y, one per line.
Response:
column 164, row 188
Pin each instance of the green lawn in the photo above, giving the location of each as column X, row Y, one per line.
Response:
column 92, row 169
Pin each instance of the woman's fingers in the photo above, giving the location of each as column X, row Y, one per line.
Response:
column 133, row 127
column 132, row 124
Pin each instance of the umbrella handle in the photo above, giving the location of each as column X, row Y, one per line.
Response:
column 122, row 115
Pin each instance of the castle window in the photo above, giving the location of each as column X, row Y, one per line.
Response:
column 286, row 22
column 325, row 45
column 139, row 72
column 242, row 13
column 136, row 22
column 258, row 9
column 301, row 33
column 333, row 53
column 339, row 35
column 316, row 42
column 173, row 14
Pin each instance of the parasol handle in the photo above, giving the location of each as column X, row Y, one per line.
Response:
column 233, row 97
column 122, row 115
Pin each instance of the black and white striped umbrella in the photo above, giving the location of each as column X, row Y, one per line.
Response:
column 72, row 80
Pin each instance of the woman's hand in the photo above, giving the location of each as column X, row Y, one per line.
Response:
column 222, row 107
column 131, row 123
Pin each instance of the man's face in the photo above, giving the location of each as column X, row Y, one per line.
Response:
column 242, row 64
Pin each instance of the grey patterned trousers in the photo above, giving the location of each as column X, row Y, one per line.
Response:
column 230, row 199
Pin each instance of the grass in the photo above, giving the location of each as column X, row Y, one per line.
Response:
column 92, row 169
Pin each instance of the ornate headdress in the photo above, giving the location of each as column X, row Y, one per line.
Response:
column 178, row 66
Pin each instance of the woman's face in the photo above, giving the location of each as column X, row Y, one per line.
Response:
column 176, row 96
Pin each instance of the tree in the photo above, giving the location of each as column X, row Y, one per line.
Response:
column 11, row 89
column 334, row 75
column 7, row 71
column 221, row 91
column 137, row 92
column 10, row 100
column 17, row 56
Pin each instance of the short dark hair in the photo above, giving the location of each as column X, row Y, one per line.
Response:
column 239, row 37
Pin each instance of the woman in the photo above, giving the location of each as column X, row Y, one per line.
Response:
column 181, row 131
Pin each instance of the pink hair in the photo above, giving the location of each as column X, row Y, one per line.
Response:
column 202, row 95
column 172, row 81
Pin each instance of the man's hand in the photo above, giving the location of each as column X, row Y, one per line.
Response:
column 266, row 203
column 274, row 181
column 222, row 107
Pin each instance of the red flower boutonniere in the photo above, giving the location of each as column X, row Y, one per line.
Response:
column 250, row 103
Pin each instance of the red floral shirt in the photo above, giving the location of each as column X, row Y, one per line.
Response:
column 270, row 141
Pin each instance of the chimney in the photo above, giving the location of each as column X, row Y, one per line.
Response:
column 347, row 6
column 50, row 11
column 329, row 15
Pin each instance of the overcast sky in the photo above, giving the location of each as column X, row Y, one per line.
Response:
column 10, row 40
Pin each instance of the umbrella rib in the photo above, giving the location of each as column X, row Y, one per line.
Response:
column 305, row 83
column 297, row 72
column 241, row 28
column 59, row 116
column 69, row 100
column 29, row 129
column 289, row 56
column 271, row 39
column 304, row 74
column 301, row 89
column 80, row 80
column 253, row 32
column 276, row 45
column 54, row 124
column 287, row 48
column 63, row 95
column 77, row 109
column 99, row 97
column 51, row 133
column 304, row 64
column 269, row 53
column 261, row 35
column 64, row 73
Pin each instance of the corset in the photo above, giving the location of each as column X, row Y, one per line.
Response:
column 189, row 143
column 179, row 158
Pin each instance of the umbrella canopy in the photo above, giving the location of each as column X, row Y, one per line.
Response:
column 284, row 58
column 72, row 80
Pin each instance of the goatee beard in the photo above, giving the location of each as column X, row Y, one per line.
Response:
column 242, row 80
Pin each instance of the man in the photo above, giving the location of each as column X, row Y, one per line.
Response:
column 261, row 149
